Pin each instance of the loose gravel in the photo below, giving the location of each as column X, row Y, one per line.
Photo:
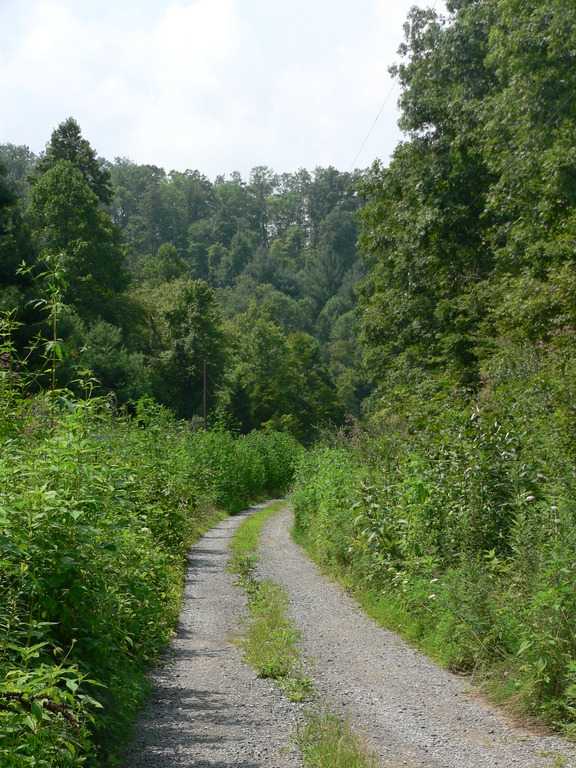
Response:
column 413, row 713
column 208, row 710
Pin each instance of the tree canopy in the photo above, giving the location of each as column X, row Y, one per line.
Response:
column 476, row 208
column 162, row 271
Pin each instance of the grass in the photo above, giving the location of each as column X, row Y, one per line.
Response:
column 247, row 535
column 270, row 645
column 328, row 742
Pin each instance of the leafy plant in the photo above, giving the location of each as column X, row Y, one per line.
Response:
column 97, row 515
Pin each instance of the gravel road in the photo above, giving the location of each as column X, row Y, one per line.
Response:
column 208, row 710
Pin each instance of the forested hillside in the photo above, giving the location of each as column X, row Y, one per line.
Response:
column 136, row 307
column 462, row 477
column 419, row 317
column 160, row 272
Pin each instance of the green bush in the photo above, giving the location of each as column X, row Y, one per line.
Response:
column 455, row 519
column 326, row 487
column 97, row 515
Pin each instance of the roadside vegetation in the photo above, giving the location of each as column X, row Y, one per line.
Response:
column 432, row 299
column 270, row 645
column 98, row 511
column 462, row 539
column 450, row 506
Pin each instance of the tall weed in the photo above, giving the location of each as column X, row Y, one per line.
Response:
column 97, row 514
column 457, row 512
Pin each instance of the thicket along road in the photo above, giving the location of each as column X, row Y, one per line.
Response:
column 208, row 709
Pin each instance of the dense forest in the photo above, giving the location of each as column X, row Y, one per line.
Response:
column 414, row 325
column 161, row 272
column 137, row 307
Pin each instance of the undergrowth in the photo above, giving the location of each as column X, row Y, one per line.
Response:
column 455, row 525
column 98, row 511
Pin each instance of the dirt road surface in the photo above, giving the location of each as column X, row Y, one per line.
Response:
column 208, row 710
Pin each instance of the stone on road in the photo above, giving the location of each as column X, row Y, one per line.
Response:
column 207, row 709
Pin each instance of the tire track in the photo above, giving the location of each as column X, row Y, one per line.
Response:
column 207, row 709
column 415, row 714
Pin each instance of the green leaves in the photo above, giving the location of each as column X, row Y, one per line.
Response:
column 67, row 144
column 67, row 218
column 275, row 381
column 41, row 718
column 190, row 325
column 96, row 519
column 475, row 213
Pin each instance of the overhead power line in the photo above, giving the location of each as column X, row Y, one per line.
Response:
column 373, row 125
column 378, row 115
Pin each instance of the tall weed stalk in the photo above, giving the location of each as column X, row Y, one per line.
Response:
column 97, row 515
column 455, row 520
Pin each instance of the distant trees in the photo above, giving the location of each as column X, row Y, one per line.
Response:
column 67, row 220
column 163, row 271
column 15, row 243
column 467, row 238
column 287, row 241
column 275, row 380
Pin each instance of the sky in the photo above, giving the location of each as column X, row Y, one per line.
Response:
column 211, row 85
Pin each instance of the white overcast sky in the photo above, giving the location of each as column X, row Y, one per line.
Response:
column 213, row 85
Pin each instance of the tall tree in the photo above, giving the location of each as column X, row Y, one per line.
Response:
column 529, row 135
column 67, row 143
column 15, row 245
column 68, row 223
column 422, row 236
column 263, row 183
column 189, row 332
column 67, row 211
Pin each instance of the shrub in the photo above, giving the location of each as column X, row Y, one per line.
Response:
column 97, row 515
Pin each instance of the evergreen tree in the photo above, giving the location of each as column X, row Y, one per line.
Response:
column 67, row 143
column 68, row 223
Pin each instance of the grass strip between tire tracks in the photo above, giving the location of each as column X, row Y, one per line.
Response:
column 270, row 645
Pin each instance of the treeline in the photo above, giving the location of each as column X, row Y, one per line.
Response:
column 453, row 504
column 159, row 272
column 102, row 490
column 120, row 286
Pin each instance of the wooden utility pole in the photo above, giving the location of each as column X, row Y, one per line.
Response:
column 205, row 394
